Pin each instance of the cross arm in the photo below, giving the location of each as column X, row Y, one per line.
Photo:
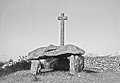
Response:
column 62, row 18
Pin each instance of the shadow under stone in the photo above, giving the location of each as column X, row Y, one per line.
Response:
column 90, row 71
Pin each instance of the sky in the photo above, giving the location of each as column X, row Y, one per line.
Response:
column 93, row 25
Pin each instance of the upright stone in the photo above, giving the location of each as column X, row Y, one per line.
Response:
column 35, row 66
column 72, row 68
column 62, row 18
column 76, row 64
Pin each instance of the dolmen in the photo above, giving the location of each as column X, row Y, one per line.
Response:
column 68, row 57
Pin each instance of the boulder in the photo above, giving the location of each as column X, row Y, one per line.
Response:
column 55, row 51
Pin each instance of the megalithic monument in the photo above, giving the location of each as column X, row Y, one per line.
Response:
column 62, row 18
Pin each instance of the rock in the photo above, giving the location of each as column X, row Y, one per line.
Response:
column 79, row 63
column 55, row 57
column 76, row 64
column 35, row 66
column 55, row 51
column 72, row 68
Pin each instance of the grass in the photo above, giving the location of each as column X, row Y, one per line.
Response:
column 85, row 76
column 93, row 73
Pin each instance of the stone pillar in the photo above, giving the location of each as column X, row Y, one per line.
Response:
column 79, row 63
column 76, row 64
column 62, row 18
column 35, row 66
column 72, row 69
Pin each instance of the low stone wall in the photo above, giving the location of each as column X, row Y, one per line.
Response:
column 103, row 63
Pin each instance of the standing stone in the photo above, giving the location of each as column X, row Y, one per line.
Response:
column 72, row 69
column 35, row 66
column 79, row 63
column 76, row 64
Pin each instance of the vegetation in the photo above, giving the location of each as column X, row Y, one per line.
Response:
column 105, row 69
column 1, row 64
column 12, row 66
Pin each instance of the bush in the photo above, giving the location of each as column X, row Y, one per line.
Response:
column 1, row 64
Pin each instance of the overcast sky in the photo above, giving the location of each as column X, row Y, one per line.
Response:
column 93, row 25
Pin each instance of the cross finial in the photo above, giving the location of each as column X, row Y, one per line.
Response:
column 62, row 18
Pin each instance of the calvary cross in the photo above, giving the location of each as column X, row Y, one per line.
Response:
column 62, row 18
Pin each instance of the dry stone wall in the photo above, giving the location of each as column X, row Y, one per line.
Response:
column 104, row 63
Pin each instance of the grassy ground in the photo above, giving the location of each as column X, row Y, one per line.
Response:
column 85, row 76
column 97, row 70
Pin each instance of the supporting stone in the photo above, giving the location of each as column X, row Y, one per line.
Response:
column 35, row 66
column 79, row 63
column 72, row 69
column 76, row 64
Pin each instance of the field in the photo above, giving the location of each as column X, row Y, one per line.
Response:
column 97, row 70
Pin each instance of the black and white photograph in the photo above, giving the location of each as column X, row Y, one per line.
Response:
column 59, row 41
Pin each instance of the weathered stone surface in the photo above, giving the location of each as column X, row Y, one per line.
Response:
column 79, row 63
column 35, row 66
column 53, row 51
column 103, row 63
column 56, row 58
column 72, row 68
column 76, row 64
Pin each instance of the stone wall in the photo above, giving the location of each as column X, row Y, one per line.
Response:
column 104, row 63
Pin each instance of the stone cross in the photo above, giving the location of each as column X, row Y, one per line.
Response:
column 62, row 18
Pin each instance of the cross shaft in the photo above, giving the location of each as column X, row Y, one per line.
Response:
column 62, row 18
